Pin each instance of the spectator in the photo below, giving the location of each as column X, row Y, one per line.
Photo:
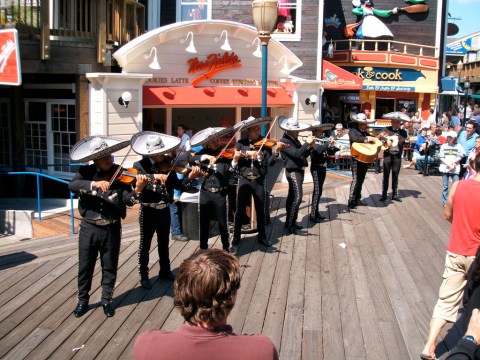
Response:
column 418, row 148
column 416, row 122
column 467, row 348
column 429, row 121
column 467, row 138
column 432, row 152
column 205, row 293
column 450, row 156
column 461, row 210
column 471, row 160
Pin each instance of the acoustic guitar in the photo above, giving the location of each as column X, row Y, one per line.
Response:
column 366, row 152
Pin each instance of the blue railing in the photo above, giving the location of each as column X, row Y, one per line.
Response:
column 40, row 175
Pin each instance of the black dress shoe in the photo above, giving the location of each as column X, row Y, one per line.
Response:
column 290, row 230
column 396, row 198
column 166, row 275
column 383, row 198
column 146, row 284
column 352, row 205
column 80, row 310
column 108, row 310
column 180, row 237
column 236, row 242
column 265, row 242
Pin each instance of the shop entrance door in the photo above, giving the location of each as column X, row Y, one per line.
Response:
column 383, row 106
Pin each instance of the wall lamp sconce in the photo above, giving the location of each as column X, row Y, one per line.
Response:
column 285, row 70
column 258, row 52
column 312, row 100
column 125, row 98
column 154, row 64
column 191, row 47
column 226, row 44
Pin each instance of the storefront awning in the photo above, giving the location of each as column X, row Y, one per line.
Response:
column 339, row 78
column 213, row 96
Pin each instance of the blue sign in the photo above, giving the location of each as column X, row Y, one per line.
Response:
column 389, row 88
column 459, row 46
column 385, row 74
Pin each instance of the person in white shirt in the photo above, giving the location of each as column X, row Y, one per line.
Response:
column 450, row 156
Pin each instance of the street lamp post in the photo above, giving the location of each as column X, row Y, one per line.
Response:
column 459, row 69
column 265, row 14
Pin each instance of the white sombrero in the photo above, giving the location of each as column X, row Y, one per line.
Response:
column 96, row 147
column 209, row 134
column 397, row 115
column 149, row 143
column 318, row 125
column 291, row 124
column 362, row 119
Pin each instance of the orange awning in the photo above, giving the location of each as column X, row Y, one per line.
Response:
column 339, row 79
column 201, row 96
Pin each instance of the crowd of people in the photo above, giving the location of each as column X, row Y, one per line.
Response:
column 106, row 189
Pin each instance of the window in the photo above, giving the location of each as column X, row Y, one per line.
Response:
column 49, row 135
column 5, row 137
column 288, row 20
column 194, row 10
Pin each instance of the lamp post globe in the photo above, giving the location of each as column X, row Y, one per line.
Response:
column 459, row 70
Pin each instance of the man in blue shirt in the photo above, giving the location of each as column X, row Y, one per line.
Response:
column 467, row 139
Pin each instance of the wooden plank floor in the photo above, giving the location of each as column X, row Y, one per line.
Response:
column 361, row 285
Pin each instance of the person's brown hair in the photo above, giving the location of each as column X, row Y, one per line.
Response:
column 476, row 164
column 205, row 286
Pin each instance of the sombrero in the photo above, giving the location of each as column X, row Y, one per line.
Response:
column 96, row 147
column 291, row 124
column 150, row 143
column 362, row 119
column 252, row 121
column 318, row 125
column 397, row 115
column 209, row 134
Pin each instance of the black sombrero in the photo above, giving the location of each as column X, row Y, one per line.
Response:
column 96, row 147
column 252, row 121
column 291, row 124
column 362, row 119
column 317, row 125
column 397, row 115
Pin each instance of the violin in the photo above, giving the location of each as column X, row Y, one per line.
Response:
column 269, row 143
column 126, row 176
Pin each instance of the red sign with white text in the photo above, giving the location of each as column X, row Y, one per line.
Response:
column 214, row 63
column 10, row 73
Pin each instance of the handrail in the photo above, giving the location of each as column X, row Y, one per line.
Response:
column 39, row 175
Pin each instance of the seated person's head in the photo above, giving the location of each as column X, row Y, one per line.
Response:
column 206, row 286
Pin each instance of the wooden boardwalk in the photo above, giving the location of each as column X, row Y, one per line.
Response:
column 361, row 285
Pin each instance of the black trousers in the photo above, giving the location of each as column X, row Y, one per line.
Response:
column 319, row 174
column 213, row 204
column 391, row 163
column 152, row 220
column 245, row 189
column 92, row 241
column 359, row 171
column 295, row 195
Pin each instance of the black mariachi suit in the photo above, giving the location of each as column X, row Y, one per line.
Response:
column 392, row 162
column 213, row 197
column 155, row 217
column 295, row 162
column 251, row 182
column 318, row 169
column 359, row 169
column 100, row 229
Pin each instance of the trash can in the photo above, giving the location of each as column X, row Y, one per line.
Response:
column 191, row 217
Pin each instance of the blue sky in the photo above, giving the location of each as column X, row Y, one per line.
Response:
column 468, row 11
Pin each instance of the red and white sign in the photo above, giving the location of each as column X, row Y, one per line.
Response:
column 10, row 73
column 339, row 78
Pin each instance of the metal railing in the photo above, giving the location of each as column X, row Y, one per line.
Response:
column 384, row 45
column 39, row 176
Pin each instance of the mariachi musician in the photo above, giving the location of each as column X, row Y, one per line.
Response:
column 214, row 184
column 252, row 168
column 358, row 134
column 318, row 165
column 295, row 156
column 394, row 139
column 102, row 203
column 156, row 198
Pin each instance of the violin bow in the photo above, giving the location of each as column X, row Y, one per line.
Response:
column 229, row 142
column 119, row 169
column 266, row 136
